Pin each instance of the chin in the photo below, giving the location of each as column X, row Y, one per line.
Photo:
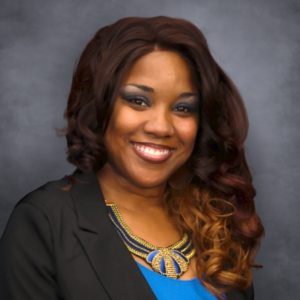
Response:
column 150, row 183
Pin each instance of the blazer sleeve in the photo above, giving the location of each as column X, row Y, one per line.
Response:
column 26, row 256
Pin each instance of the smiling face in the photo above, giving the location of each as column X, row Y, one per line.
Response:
column 157, row 107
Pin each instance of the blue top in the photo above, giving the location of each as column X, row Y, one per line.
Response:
column 166, row 288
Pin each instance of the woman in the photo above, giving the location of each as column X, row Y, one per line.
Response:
column 161, row 204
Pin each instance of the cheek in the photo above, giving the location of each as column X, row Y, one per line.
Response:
column 187, row 131
column 123, row 122
column 127, row 120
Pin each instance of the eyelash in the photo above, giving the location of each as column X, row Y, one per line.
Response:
column 132, row 99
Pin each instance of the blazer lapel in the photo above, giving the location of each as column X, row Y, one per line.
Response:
column 112, row 262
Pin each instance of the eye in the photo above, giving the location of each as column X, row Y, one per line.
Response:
column 184, row 108
column 139, row 101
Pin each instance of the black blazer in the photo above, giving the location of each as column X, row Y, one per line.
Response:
column 62, row 245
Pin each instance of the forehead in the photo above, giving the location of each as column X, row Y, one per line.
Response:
column 161, row 69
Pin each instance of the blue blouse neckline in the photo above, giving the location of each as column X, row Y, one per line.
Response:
column 162, row 277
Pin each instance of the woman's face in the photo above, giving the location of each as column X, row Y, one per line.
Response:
column 155, row 119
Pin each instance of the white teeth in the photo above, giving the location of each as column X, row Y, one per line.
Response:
column 151, row 150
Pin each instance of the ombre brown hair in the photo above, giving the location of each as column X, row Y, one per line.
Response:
column 216, row 208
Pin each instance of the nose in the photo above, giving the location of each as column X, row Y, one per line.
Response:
column 159, row 123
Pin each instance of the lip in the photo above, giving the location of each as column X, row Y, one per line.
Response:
column 154, row 146
column 152, row 158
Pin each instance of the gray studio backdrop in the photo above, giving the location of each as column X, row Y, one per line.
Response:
column 256, row 42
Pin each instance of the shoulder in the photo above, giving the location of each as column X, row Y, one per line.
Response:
column 247, row 294
column 48, row 197
column 42, row 214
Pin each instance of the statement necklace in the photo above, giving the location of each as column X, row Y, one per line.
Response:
column 170, row 261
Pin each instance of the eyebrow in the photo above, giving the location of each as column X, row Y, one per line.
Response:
column 151, row 90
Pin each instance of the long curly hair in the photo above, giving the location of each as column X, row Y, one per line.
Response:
column 216, row 208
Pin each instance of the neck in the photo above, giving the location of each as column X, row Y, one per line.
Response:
column 120, row 191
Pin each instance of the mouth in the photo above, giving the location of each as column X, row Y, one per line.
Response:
column 153, row 153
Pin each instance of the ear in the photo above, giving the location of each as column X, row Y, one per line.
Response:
column 181, row 178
